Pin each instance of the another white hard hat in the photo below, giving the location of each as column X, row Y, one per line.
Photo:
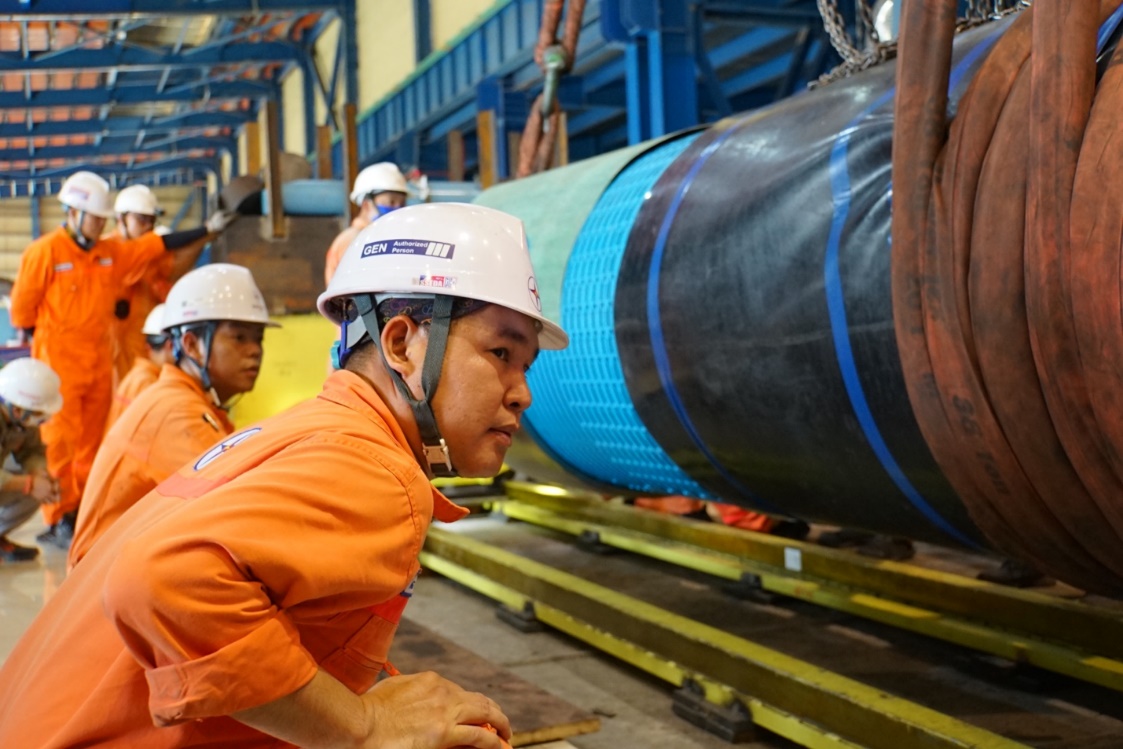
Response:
column 85, row 191
column 380, row 177
column 30, row 384
column 216, row 292
column 137, row 199
column 456, row 249
column 154, row 323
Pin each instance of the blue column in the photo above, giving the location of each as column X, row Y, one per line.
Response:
column 350, row 45
column 306, row 65
column 36, row 217
column 660, row 84
column 422, row 29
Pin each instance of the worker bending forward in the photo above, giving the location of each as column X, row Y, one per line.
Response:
column 250, row 600
column 216, row 317
column 29, row 394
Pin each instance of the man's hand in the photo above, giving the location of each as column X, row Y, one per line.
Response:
column 427, row 711
column 218, row 222
column 423, row 711
column 43, row 488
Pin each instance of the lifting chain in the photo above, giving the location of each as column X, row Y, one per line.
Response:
column 869, row 50
column 555, row 57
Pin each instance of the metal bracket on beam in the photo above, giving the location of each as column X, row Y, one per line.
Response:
column 524, row 619
column 731, row 722
column 749, row 588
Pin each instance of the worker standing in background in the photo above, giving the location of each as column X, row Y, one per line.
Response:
column 29, row 394
column 146, row 369
column 216, row 318
column 137, row 210
column 256, row 592
column 64, row 297
column 378, row 190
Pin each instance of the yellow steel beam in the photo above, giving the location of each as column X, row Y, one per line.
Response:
column 805, row 703
column 1017, row 647
column 1089, row 629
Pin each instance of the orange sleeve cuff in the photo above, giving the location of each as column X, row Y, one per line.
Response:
column 266, row 665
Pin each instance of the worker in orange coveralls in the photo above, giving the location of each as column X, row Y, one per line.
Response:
column 378, row 190
column 68, row 283
column 726, row 514
column 256, row 592
column 146, row 369
column 137, row 210
column 216, row 318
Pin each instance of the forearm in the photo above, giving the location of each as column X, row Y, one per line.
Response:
column 323, row 714
column 11, row 482
column 185, row 257
column 183, row 240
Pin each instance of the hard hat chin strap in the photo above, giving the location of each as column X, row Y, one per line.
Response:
column 432, row 444
column 206, row 337
column 76, row 233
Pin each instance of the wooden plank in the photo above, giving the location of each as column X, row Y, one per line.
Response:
column 536, row 715
column 253, row 148
column 486, row 157
column 350, row 154
column 456, row 156
column 273, row 181
column 323, row 152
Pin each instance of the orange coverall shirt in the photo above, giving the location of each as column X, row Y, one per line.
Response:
column 142, row 296
column 339, row 247
column 167, row 426
column 143, row 373
column 67, row 294
column 287, row 547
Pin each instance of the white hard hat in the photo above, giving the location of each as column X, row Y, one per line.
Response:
column 30, row 384
column 454, row 249
column 154, row 323
column 380, row 177
column 86, row 191
column 216, row 292
column 137, row 199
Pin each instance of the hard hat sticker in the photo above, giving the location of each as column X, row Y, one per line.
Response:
column 437, row 282
column 408, row 247
column 532, row 287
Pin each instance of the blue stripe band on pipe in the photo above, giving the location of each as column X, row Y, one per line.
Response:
column 840, row 195
column 583, row 414
column 655, row 323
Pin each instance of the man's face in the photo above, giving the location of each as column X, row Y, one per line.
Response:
column 236, row 354
column 390, row 199
column 91, row 226
column 385, row 200
column 483, row 390
column 133, row 225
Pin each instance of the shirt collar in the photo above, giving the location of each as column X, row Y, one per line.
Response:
column 352, row 391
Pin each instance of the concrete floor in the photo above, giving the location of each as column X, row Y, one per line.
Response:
column 635, row 711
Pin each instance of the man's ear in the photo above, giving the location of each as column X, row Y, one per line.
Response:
column 192, row 345
column 403, row 345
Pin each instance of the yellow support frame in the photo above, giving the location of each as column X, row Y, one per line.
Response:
column 802, row 702
column 1017, row 647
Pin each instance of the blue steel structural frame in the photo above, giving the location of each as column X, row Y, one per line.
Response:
column 188, row 143
column 643, row 68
